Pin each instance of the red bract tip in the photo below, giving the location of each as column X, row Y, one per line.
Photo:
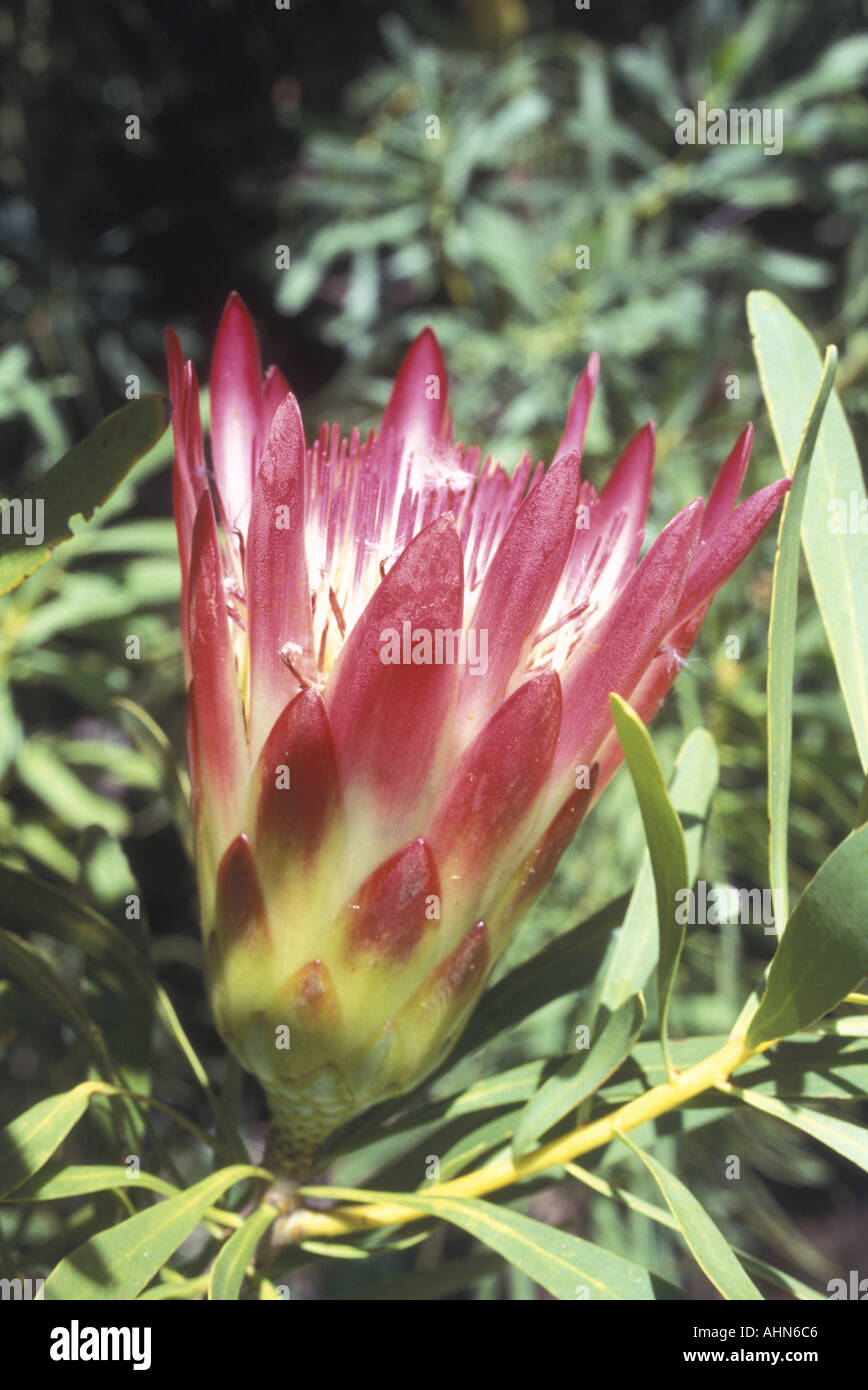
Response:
column 241, row 917
column 394, row 906
column 236, row 410
column 417, row 408
column 298, row 788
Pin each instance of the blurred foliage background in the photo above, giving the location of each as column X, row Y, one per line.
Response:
column 308, row 128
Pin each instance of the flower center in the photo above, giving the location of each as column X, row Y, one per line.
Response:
column 361, row 512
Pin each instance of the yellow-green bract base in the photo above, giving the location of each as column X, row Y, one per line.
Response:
column 303, row 1114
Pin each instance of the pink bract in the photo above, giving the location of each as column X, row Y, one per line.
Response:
column 376, row 805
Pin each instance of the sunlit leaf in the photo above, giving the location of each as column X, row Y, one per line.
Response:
column 581, row 1075
column 472, row 1147
column 837, row 555
column 823, row 954
column 563, row 1264
column 850, row 1141
column 632, row 955
column 29, row 1140
column 82, row 481
column 782, row 647
column 45, row 774
column 20, row 960
column 117, row 1263
column 815, row 1065
column 79, row 1179
column 665, row 1218
column 230, row 1266
column 707, row 1244
column 176, row 786
column 666, row 846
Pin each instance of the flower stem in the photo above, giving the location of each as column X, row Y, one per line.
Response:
column 342, row 1221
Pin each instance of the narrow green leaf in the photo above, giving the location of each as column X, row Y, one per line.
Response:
column 852, row 1026
column 175, row 1029
column 565, row 1265
column 29, row 1140
column 150, row 738
column 80, row 1179
column 665, row 1218
column 57, row 1183
column 816, row 1066
column 706, row 1243
column 632, row 955
column 789, row 368
column 174, row 1293
column 230, row 1266
column 19, row 959
column 782, row 647
column 666, row 847
column 581, row 1075
column 334, row 1250
column 507, row 1088
column 823, row 954
column 29, row 904
column 68, row 798
column 850, row 1141
column 811, row 1067
column 472, row 1147
column 81, row 481
column 118, row 1262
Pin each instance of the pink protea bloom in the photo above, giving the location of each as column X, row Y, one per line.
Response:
column 399, row 662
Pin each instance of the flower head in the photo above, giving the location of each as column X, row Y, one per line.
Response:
column 399, row 661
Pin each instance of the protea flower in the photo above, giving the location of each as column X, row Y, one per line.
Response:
column 399, row 662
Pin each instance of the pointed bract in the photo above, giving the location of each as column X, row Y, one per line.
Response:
column 733, row 539
column 619, row 516
column 627, row 639
column 236, row 410
column 188, row 471
column 519, row 586
column 500, row 775
column 275, row 389
column 416, row 413
column 727, row 485
column 241, row 919
column 312, row 995
column 219, row 722
column 388, row 716
column 298, row 789
column 278, row 594
column 573, row 438
column 394, row 907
